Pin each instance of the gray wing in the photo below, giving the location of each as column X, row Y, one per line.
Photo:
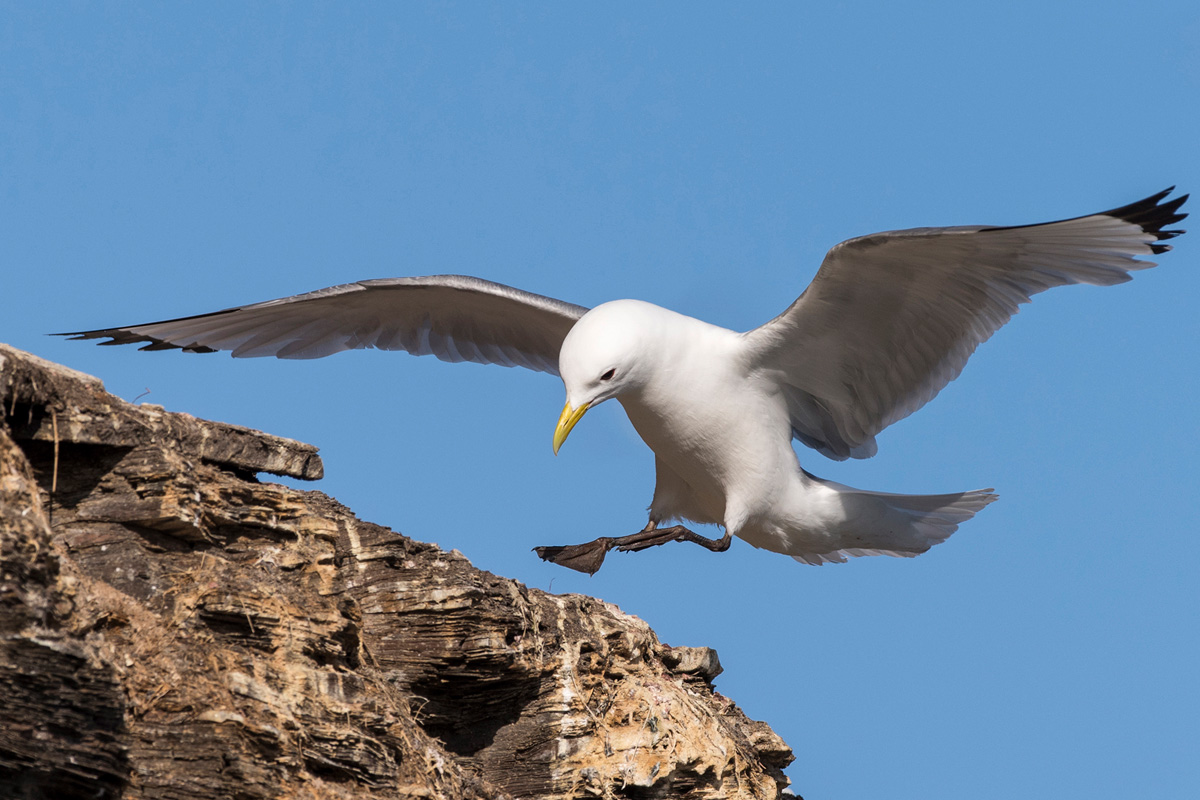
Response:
column 453, row 317
column 892, row 318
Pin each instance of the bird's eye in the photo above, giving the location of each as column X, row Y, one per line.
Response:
column 608, row 376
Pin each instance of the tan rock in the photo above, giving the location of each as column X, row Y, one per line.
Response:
column 170, row 626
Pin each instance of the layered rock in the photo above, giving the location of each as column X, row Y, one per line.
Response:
column 172, row 627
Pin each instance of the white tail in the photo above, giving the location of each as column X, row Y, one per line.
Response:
column 902, row 525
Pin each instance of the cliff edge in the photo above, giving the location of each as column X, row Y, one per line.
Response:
column 172, row 627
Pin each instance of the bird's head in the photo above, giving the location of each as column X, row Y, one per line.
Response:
column 608, row 353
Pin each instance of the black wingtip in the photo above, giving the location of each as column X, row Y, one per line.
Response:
column 120, row 336
column 114, row 336
column 129, row 336
column 1152, row 216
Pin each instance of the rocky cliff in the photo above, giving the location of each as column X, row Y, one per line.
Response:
column 172, row 627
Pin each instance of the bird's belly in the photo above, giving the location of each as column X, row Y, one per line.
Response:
column 734, row 469
column 688, row 449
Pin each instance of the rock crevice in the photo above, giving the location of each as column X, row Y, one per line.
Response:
column 172, row 627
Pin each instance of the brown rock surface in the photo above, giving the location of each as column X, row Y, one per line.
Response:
column 171, row 627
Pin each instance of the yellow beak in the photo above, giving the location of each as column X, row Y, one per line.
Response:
column 566, row 421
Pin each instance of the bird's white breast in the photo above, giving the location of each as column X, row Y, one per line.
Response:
column 720, row 428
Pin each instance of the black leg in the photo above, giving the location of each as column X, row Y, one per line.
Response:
column 589, row 557
column 677, row 533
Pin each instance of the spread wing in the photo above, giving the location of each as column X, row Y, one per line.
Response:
column 892, row 318
column 453, row 317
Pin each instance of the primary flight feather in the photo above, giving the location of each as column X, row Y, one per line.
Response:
column 889, row 320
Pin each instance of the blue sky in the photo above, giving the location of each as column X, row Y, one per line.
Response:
column 171, row 160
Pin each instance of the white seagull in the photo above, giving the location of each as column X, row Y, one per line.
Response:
column 889, row 320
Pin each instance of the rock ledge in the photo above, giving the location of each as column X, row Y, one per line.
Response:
column 172, row 627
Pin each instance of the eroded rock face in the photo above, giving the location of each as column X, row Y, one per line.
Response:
column 171, row 627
